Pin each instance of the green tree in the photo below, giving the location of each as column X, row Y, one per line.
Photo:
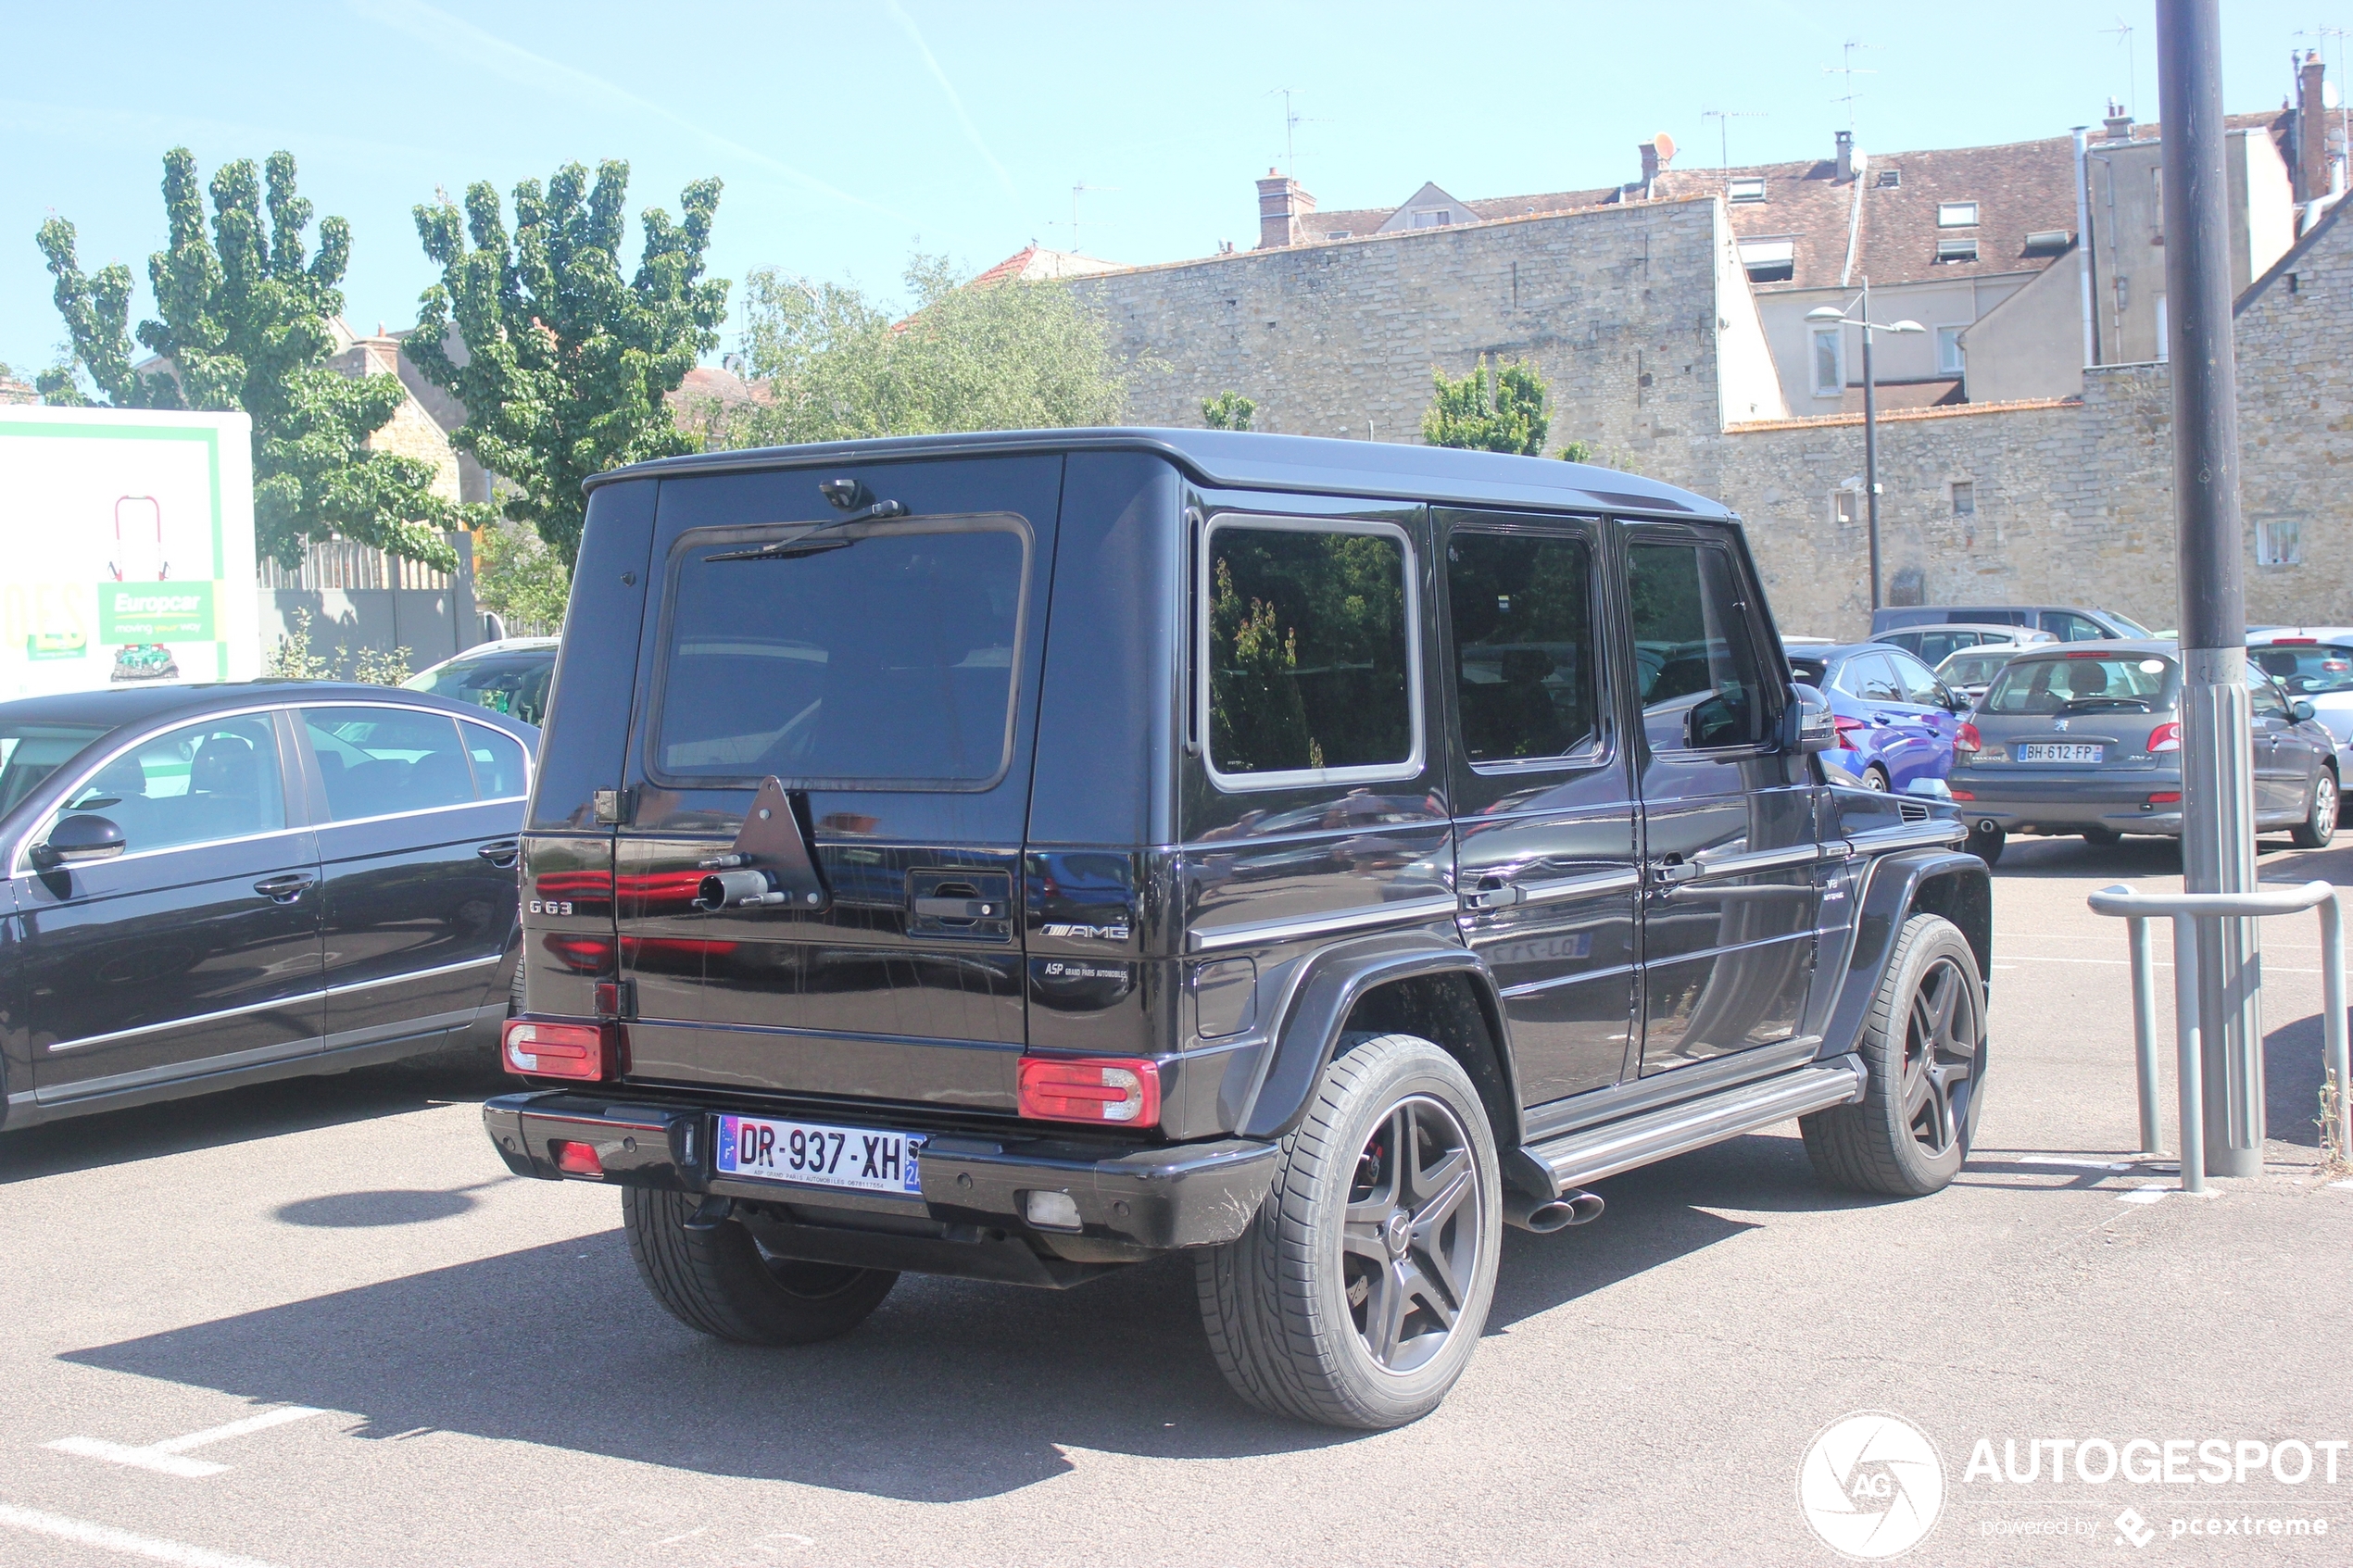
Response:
column 834, row 365
column 1578, row 452
column 517, row 575
column 567, row 366
column 1228, row 410
column 1500, row 413
column 245, row 329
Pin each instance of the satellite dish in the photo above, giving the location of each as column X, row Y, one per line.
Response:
column 2330, row 97
column 1666, row 145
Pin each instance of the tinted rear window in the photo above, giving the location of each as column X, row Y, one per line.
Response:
column 1809, row 671
column 884, row 659
column 2127, row 681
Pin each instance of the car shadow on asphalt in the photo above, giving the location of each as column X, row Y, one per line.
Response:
column 235, row 1116
column 953, row 1391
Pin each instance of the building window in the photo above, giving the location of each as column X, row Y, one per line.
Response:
column 1960, row 248
column 1846, row 508
column 1890, row 178
column 1437, row 220
column 2279, row 544
column 1769, row 262
column 1745, row 189
column 1957, row 215
column 1964, row 499
column 2164, row 348
column 1336, row 234
column 2047, row 242
column 1949, row 359
column 1829, row 361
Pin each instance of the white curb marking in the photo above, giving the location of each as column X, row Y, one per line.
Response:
column 106, row 1538
column 165, row 1459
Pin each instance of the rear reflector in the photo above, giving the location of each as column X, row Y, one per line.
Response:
column 2166, row 797
column 1964, row 794
column 576, row 1159
column 539, row 1049
column 1122, row 1090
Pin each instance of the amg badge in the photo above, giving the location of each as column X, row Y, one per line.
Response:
column 1094, row 933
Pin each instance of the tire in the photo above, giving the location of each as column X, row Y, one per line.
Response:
column 1293, row 1306
column 514, row 991
column 2319, row 826
column 1875, row 777
column 720, row 1281
column 2104, row 836
column 1910, row 1132
column 1986, row 847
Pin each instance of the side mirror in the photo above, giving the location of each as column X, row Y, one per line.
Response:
column 2304, row 711
column 77, row 840
column 1953, row 701
column 1805, row 720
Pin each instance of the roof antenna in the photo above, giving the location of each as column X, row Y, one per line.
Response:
column 1849, row 69
column 2123, row 34
column 1723, row 118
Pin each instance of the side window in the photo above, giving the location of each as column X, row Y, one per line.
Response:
column 497, row 762
column 1522, row 607
column 376, row 761
column 1917, row 682
column 2069, row 627
column 1870, row 679
column 1702, row 683
column 1310, row 652
column 2264, row 696
column 1934, row 646
column 203, row 782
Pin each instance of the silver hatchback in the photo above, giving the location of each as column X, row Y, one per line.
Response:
column 2086, row 738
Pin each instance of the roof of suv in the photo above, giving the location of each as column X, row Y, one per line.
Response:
column 1247, row 460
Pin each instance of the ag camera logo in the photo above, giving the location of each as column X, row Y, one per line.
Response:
column 1871, row 1486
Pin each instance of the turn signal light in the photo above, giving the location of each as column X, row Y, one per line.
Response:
column 2165, row 737
column 576, row 1159
column 1121, row 1090
column 1967, row 742
column 539, row 1049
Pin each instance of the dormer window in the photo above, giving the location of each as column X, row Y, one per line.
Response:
column 1958, row 248
column 1889, row 178
column 1748, row 188
column 1957, row 215
column 1769, row 262
column 2047, row 242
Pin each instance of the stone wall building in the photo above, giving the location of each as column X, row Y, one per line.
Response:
column 1640, row 308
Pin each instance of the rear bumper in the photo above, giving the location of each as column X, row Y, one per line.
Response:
column 2119, row 802
column 1132, row 1204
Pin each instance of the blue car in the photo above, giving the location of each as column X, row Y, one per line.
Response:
column 1895, row 719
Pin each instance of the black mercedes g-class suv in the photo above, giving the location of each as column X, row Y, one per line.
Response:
column 1019, row 856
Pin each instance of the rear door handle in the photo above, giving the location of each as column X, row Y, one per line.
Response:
column 502, row 853
column 1493, row 893
column 285, row 888
column 1669, row 873
column 960, row 908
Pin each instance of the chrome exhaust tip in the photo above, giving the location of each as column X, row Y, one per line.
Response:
column 1545, row 1215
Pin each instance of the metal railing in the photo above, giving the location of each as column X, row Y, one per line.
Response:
column 2243, row 1119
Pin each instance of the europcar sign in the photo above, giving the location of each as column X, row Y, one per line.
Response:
column 127, row 539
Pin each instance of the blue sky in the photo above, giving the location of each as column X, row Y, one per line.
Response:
column 850, row 133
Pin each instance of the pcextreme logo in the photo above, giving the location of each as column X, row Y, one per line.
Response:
column 1871, row 1486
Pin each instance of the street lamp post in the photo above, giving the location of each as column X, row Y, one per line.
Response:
column 1829, row 313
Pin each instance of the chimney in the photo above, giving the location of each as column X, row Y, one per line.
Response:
column 2311, row 131
column 2119, row 124
column 1281, row 208
column 1851, row 160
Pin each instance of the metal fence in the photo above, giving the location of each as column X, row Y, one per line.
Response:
column 362, row 600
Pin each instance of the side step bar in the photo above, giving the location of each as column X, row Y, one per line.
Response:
column 1588, row 1156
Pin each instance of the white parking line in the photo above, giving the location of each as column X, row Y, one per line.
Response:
column 106, row 1538
column 2121, row 963
column 165, row 1457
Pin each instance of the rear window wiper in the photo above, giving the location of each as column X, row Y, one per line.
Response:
column 858, row 504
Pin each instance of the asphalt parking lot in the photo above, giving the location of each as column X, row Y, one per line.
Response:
column 316, row 1324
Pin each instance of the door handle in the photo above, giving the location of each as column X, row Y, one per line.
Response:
column 502, row 853
column 1493, row 893
column 960, row 908
column 1671, row 873
column 285, row 888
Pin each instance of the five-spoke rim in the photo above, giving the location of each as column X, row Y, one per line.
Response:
column 1940, row 1054
column 1409, row 1247
column 2325, row 803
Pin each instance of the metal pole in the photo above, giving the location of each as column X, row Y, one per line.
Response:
column 2332, row 1032
column 2186, row 1047
column 1870, row 445
column 2144, row 1030
column 2218, row 825
column 2084, row 249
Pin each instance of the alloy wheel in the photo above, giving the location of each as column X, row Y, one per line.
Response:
column 1874, row 779
column 2325, row 803
column 1409, row 1247
column 1939, row 1055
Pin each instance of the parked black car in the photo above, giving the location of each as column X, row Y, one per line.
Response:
column 1382, row 842
column 211, row 886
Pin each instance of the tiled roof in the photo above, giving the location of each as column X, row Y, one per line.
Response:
column 1353, row 222
column 1037, row 264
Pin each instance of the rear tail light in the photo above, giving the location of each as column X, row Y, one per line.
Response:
column 2166, row 737
column 576, row 1159
column 539, row 1049
column 2166, row 797
column 1123, row 1091
column 1846, row 727
column 1967, row 742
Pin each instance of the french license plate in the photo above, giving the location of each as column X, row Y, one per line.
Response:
column 2059, row 751
column 859, row 1158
